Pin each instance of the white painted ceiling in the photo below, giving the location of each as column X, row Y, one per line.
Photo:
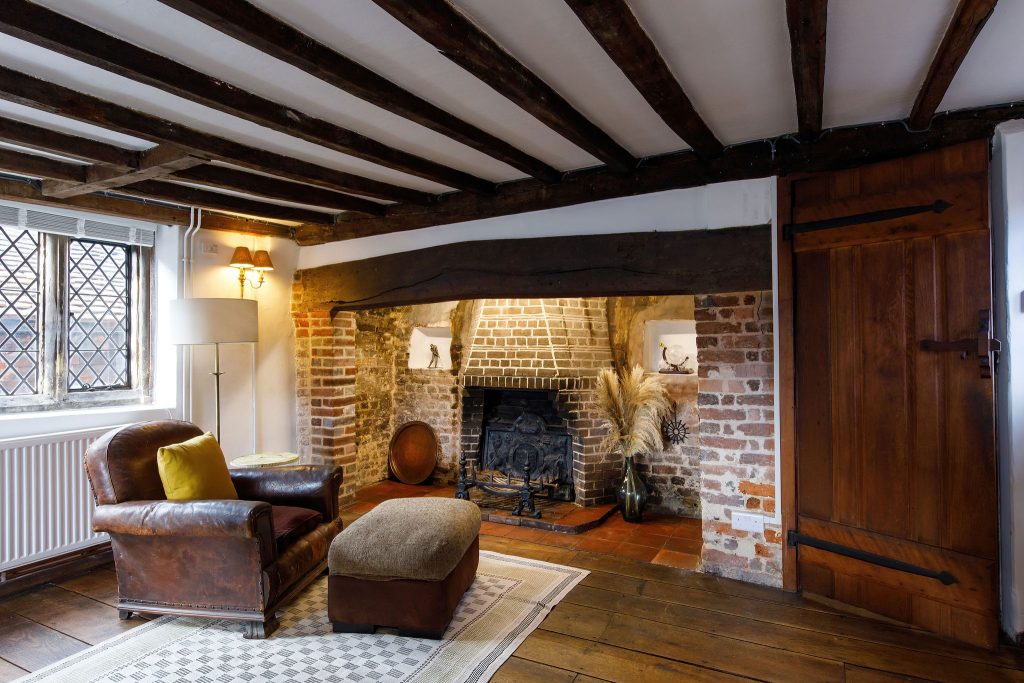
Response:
column 731, row 56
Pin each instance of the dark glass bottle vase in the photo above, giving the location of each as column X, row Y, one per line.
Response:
column 632, row 494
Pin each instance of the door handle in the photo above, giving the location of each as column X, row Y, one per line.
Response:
column 984, row 345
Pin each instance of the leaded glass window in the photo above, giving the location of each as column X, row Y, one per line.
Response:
column 98, row 316
column 19, row 312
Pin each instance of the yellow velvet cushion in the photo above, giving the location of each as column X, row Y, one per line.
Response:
column 195, row 470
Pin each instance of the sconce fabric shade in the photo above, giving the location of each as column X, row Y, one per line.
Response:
column 261, row 261
column 214, row 321
column 242, row 258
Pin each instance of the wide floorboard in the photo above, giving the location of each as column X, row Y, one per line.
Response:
column 628, row 621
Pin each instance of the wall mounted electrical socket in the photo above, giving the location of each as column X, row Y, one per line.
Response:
column 208, row 247
column 741, row 521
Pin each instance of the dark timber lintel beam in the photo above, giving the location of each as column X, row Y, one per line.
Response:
column 460, row 40
column 248, row 24
column 968, row 20
column 55, row 99
column 837, row 148
column 45, row 140
column 807, row 21
column 618, row 32
column 644, row 263
column 53, row 31
column 153, row 163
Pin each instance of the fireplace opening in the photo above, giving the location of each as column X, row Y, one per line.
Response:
column 524, row 447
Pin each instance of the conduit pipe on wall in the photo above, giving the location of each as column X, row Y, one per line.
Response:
column 185, row 292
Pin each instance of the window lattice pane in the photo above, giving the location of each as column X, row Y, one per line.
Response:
column 19, row 311
column 98, row 316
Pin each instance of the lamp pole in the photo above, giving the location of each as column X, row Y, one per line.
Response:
column 216, row 385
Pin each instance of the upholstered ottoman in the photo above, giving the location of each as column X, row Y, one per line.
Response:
column 405, row 565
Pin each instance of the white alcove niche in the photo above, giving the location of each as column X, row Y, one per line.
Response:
column 669, row 333
column 419, row 347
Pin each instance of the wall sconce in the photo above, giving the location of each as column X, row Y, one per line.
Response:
column 246, row 261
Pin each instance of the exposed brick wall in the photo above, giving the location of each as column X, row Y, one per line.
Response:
column 737, row 439
column 325, row 375
column 379, row 335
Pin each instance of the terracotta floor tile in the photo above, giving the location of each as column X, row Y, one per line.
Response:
column 677, row 560
column 647, row 539
column 494, row 529
column 636, row 552
column 597, row 545
column 662, row 528
column 560, row 540
column 608, row 533
column 684, row 545
column 688, row 529
column 526, row 534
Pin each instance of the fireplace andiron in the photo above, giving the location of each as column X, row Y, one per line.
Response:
column 523, row 456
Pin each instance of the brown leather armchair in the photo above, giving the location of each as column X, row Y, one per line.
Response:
column 226, row 559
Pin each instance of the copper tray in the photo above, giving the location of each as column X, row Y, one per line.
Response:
column 413, row 453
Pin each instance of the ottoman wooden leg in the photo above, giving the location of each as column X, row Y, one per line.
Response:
column 258, row 630
column 352, row 628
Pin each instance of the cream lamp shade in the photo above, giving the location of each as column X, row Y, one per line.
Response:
column 214, row 321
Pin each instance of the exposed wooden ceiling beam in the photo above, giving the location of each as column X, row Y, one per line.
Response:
column 36, row 166
column 837, row 148
column 46, row 140
column 153, row 163
column 968, row 19
column 191, row 196
column 616, row 29
column 253, row 183
column 807, row 22
column 248, row 24
column 53, row 31
column 463, row 42
column 126, row 207
column 76, row 177
column 39, row 94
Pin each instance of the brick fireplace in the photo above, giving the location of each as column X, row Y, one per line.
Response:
column 550, row 345
column 356, row 386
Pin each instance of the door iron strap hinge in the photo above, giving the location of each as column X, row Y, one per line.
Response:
column 795, row 538
column 790, row 229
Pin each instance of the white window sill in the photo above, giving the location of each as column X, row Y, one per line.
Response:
column 23, row 425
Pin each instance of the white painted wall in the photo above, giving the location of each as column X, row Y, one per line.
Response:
column 1008, row 275
column 269, row 425
column 722, row 205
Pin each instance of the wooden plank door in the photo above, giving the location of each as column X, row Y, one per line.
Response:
column 895, row 439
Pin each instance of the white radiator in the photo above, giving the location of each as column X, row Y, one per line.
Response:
column 46, row 504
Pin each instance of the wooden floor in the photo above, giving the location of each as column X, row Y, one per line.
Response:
column 628, row 621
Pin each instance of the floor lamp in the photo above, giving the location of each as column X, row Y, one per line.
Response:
column 214, row 321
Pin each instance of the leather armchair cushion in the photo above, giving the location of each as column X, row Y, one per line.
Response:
column 292, row 523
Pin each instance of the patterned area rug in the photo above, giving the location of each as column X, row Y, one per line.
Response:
column 510, row 597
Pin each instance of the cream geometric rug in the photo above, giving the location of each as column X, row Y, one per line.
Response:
column 510, row 597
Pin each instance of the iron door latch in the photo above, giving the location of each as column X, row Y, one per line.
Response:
column 984, row 345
